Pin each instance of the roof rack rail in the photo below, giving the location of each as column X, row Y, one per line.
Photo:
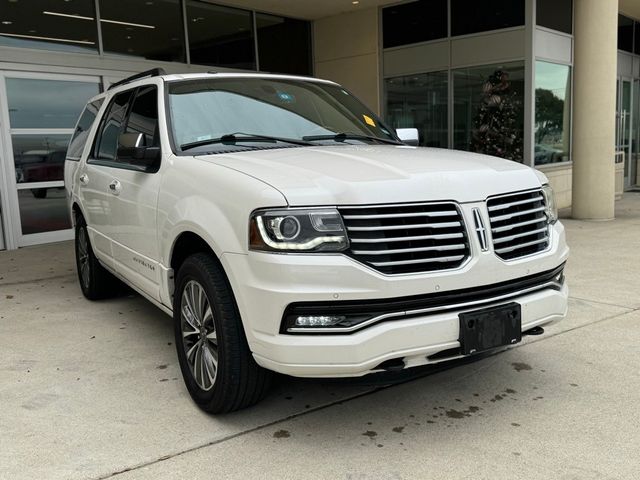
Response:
column 154, row 72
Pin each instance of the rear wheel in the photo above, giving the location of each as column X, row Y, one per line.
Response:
column 95, row 281
column 218, row 368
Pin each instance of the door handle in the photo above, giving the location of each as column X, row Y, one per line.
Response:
column 115, row 187
column 84, row 179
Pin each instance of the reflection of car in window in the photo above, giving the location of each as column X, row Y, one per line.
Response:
column 39, row 166
column 286, row 228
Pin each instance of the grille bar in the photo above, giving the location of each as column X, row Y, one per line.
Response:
column 518, row 224
column 513, row 204
column 407, row 238
column 444, row 236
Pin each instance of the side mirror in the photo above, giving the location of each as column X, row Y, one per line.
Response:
column 409, row 136
column 132, row 149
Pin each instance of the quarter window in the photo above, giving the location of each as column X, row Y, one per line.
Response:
column 81, row 133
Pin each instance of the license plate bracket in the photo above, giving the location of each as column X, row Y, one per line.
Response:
column 489, row 328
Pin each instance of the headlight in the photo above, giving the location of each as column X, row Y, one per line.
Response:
column 550, row 200
column 293, row 230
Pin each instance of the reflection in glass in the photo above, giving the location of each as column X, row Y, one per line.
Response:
column 284, row 44
column 414, row 22
column 43, row 24
column 39, row 158
column 81, row 133
column 555, row 14
column 43, row 210
column 473, row 16
column 419, row 101
column 220, row 36
column 488, row 110
column 35, row 103
column 625, row 33
column 553, row 113
column 143, row 28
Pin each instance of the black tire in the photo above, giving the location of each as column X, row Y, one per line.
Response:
column 39, row 192
column 95, row 281
column 237, row 381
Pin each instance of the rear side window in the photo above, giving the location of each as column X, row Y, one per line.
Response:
column 107, row 144
column 81, row 133
column 144, row 116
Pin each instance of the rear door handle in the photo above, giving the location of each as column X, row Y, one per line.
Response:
column 84, row 179
column 115, row 187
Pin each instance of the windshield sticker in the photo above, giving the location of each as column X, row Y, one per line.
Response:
column 368, row 120
column 286, row 97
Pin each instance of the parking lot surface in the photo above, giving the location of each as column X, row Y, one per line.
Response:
column 92, row 390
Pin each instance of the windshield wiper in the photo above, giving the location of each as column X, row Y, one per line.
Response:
column 341, row 137
column 232, row 138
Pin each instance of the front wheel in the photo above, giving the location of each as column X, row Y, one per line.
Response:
column 216, row 363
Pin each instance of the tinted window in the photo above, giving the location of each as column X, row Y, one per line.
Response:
column 420, row 101
column 637, row 37
column 220, row 36
column 555, row 14
column 472, row 16
column 625, row 33
column 35, row 103
column 284, row 44
column 414, row 22
column 144, row 116
column 553, row 113
column 143, row 28
column 112, row 126
column 81, row 133
column 66, row 26
column 488, row 114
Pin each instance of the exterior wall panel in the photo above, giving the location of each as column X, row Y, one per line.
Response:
column 428, row 57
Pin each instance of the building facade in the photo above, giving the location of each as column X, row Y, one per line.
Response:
column 503, row 77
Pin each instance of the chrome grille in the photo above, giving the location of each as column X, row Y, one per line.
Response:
column 518, row 224
column 409, row 238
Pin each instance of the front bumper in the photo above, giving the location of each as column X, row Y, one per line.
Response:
column 266, row 284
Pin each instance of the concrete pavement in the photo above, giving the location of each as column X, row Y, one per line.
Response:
column 93, row 390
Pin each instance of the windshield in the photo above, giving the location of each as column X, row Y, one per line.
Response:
column 232, row 113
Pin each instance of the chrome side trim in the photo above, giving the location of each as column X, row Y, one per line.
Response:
column 443, row 308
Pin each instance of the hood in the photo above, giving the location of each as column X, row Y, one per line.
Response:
column 363, row 174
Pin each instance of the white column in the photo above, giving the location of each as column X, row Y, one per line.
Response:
column 595, row 73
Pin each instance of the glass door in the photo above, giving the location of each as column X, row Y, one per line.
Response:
column 634, row 173
column 40, row 111
column 624, row 124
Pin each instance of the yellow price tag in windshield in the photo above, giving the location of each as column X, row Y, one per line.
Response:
column 369, row 121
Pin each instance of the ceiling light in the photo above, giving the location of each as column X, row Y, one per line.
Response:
column 6, row 22
column 58, row 14
column 355, row 2
column 33, row 37
column 141, row 25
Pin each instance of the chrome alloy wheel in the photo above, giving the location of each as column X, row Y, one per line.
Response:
column 83, row 256
column 199, row 336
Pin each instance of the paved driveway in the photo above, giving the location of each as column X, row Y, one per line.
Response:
column 93, row 390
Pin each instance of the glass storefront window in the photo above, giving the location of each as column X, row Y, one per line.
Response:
column 47, row 25
column 473, row 16
column 150, row 29
column 414, row 22
column 625, row 33
column 553, row 113
column 39, row 158
column 220, row 36
column 488, row 110
column 35, row 103
column 419, row 101
column 284, row 44
column 43, row 210
column 555, row 14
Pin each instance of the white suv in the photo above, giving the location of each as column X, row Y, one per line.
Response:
column 286, row 228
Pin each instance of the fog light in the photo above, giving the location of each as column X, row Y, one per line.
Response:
column 319, row 320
